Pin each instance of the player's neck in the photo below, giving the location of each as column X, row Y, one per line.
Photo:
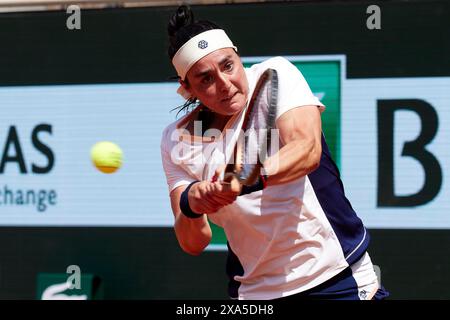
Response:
column 219, row 121
column 212, row 120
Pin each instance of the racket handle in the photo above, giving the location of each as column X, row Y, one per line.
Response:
column 229, row 176
column 235, row 185
column 231, row 180
column 228, row 170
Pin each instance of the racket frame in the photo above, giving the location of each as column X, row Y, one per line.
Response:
column 234, row 171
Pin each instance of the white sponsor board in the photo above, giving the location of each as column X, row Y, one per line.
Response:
column 68, row 120
column 359, row 150
column 74, row 192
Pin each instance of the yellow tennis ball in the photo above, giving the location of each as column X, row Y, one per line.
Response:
column 106, row 156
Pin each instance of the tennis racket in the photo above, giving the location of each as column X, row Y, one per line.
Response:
column 254, row 142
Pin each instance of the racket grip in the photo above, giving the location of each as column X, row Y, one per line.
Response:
column 231, row 180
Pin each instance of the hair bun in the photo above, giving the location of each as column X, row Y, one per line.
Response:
column 182, row 27
column 182, row 17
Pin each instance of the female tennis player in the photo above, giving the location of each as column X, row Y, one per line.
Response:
column 293, row 233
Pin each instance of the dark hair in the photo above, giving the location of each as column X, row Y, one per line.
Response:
column 181, row 27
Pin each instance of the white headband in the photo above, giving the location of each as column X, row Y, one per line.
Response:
column 198, row 47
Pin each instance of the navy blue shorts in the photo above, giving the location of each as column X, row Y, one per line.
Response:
column 341, row 287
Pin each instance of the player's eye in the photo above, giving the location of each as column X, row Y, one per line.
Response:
column 207, row 79
column 228, row 66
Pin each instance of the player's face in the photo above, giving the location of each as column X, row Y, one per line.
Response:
column 218, row 80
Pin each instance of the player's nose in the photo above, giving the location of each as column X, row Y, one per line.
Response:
column 224, row 83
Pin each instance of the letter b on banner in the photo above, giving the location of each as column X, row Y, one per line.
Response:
column 415, row 149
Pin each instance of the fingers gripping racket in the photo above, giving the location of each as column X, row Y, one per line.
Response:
column 253, row 144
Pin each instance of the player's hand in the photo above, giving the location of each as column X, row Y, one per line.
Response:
column 230, row 182
column 209, row 197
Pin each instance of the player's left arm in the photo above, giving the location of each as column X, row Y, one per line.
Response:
column 300, row 131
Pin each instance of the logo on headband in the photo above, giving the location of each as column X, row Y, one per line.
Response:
column 202, row 44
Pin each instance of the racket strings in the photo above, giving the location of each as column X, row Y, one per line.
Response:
column 253, row 142
column 256, row 134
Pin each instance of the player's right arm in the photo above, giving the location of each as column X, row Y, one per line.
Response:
column 204, row 197
column 193, row 234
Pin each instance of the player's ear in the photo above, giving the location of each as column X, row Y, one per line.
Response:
column 184, row 89
column 183, row 83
